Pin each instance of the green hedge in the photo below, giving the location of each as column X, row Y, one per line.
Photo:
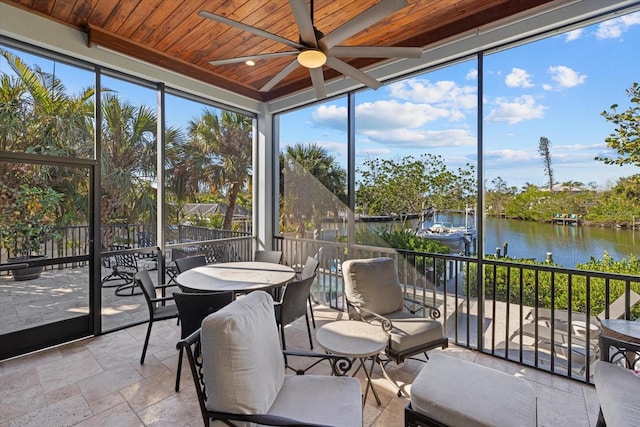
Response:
column 505, row 283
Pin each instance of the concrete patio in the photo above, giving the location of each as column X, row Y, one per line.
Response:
column 99, row 381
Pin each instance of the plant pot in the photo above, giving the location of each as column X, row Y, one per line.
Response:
column 28, row 273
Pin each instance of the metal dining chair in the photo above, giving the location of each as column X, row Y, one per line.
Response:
column 158, row 309
column 310, row 268
column 192, row 309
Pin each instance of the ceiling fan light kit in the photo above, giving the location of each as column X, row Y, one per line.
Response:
column 315, row 49
column 312, row 58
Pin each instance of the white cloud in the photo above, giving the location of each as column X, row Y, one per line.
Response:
column 510, row 156
column 372, row 152
column 387, row 114
column 331, row 116
column 518, row 78
column 566, row 77
column 472, row 74
column 573, row 35
column 614, row 28
column 422, row 138
column 334, row 147
column 516, row 110
column 395, row 114
column 443, row 93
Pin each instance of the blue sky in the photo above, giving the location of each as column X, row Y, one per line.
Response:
column 556, row 87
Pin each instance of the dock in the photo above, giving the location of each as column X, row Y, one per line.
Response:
column 566, row 219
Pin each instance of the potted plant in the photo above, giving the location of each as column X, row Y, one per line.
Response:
column 27, row 221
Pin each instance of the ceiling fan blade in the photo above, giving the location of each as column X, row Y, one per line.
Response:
column 249, row 29
column 303, row 20
column 317, row 78
column 361, row 22
column 352, row 72
column 251, row 58
column 374, row 52
column 281, row 75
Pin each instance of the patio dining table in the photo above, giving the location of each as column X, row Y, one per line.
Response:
column 237, row 277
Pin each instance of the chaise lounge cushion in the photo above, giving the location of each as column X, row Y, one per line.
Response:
column 456, row 392
column 618, row 392
column 244, row 367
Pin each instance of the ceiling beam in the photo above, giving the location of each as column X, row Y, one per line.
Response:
column 100, row 37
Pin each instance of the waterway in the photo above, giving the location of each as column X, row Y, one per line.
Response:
column 568, row 245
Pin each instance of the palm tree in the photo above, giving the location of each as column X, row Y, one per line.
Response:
column 54, row 122
column 312, row 183
column 128, row 161
column 37, row 115
column 216, row 158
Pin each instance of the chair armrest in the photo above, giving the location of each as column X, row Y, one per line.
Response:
column 340, row 364
column 368, row 316
column 434, row 313
column 189, row 341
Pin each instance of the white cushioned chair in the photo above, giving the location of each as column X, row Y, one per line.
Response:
column 374, row 294
column 243, row 373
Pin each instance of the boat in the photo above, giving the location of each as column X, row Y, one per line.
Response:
column 454, row 236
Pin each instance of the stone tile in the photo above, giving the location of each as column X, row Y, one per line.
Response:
column 30, row 361
column 591, row 399
column 68, row 370
column 121, row 416
column 152, row 366
column 370, row 413
column 558, row 408
column 109, row 401
column 393, row 415
column 109, row 381
column 150, row 390
column 23, row 402
column 16, row 382
column 62, row 393
column 64, row 413
column 179, row 409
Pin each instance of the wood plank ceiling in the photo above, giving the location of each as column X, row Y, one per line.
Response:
column 172, row 35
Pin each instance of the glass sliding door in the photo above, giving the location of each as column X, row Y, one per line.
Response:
column 45, row 297
column 47, row 166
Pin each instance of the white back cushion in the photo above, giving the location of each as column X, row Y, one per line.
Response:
column 243, row 364
column 373, row 284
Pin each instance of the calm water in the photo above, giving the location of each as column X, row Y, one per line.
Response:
column 569, row 245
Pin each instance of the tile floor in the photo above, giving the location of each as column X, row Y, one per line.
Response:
column 99, row 381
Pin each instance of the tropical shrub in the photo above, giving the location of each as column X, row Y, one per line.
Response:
column 27, row 218
column 517, row 284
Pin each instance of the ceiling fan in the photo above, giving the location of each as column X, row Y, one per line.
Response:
column 316, row 49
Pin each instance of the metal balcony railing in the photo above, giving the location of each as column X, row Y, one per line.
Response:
column 536, row 315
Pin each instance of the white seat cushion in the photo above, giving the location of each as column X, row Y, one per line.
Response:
column 460, row 393
column 320, row 399
column 618, row 391
column 410, row 331
column 243, row 366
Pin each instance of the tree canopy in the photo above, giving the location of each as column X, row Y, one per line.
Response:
column 410, row 185
column 626, row 138
column 312, row 184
